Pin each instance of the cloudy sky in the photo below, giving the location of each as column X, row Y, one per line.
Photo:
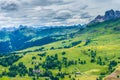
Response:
column 52, row 12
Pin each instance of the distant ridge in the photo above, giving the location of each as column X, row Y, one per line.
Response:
column 110, row 14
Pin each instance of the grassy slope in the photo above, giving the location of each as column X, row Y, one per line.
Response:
column 103, row 39
column 114, row 75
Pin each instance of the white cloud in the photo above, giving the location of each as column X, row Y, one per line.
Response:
column 52, row 12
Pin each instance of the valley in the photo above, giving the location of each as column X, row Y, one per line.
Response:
column 80, row 54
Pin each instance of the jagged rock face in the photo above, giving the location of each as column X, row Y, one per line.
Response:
column 110, row 14
column 99, row 18
column 117, row 13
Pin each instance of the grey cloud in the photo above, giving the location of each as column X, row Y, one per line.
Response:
column 9, row 6
column 45, row 2
column 84, row 7
column 63, row 15
column 52, row 12
column 85, row 15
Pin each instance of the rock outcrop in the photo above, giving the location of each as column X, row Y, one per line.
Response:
column 110, row 14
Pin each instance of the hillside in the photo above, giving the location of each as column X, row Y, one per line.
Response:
column 93, row 53
column 13, row 40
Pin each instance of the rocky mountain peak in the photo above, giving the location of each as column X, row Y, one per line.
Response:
column 110, row 14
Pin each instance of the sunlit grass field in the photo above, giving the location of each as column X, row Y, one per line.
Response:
column 102, row 39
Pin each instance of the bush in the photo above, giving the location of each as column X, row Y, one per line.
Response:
column 42, row 55
column 19, row 69
column 33, row 57
column 12, row 74
column 7, row 61
column 63, row 53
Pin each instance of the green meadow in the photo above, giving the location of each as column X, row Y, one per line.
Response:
column 92, row 54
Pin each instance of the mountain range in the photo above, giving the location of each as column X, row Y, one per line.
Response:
column 77, row 52
column 110, row 14
column 13, row 39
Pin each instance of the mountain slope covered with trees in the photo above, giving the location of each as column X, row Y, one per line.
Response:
column 88, row 53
